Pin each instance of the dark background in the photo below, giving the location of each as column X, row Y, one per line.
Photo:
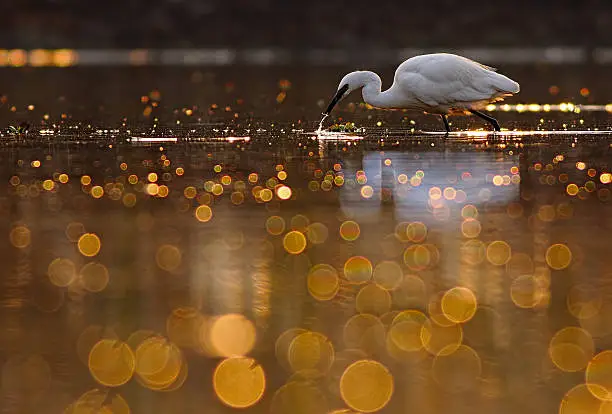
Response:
column 304, row 24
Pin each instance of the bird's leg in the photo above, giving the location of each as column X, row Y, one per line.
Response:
column 446, row 125
column 488, row 118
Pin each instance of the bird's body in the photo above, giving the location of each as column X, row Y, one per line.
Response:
column 440, row 83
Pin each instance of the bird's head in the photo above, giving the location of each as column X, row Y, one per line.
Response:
column 348, row 84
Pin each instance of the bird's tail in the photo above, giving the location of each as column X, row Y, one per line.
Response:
column 503, row 84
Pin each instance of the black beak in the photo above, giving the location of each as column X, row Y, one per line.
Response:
column 336, row 98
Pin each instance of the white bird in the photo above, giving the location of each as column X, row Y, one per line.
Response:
column 439, row 83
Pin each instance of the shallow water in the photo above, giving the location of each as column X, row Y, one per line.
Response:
column 137, row 268
column 188, row 240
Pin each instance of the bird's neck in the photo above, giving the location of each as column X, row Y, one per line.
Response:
column 372, row 94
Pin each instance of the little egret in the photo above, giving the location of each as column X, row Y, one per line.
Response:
column 439, row 83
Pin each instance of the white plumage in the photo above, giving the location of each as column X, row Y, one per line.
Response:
column 440, row 83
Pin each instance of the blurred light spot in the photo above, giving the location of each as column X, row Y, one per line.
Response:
column 349, row 230
column 300, row 223
column 311, row 351
column 599, row 375
column 367, row 191
column 282, row 344
column 366, row 386
column 405, row 330
column 416, row 232
column 94, row 277
column 158, row 363
column 441, row 339
column 571, row 349
column 365, row 332
column 183, row 326
column 111, row 362
column 97, row 191
column 20, row 237
column 582, row 400
column 294, row 242
column 61, row 272
column 283, row 192
column 526, row 291
column 471, row 228
column 231, row 335
column 275, row 225
column 558, row 256
column 317, row 233
column 99, row 401
column 239, row 382
column 373, row 299
column 358, row 269
column 388, row 274
column 203, row 213
column 168, row 257
column 299, row 397
column 323, row 282
column 498, row 253
column 459, row 304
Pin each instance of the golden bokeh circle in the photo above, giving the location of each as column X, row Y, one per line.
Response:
column 410, row 293
column 323, row 282
column 364, row 332
column 239, row 382
column 526, row 291
column 183, row 326
column 89, row 244
column 580, row 400
column 558, row 256
column 294, row 242
column 299, row 397
column 439, row 339
column 434, row 308
column 299, row 222
column 571, row 349
column 282, row 344
column 498, row 253
column 111, row 362
column 311, row 351
column 232, row 335
column 317, row 233
column 358, row 269
column 388, row 274
column 168, row 257
column 470, row 228
column 275, row 225
column 416, row 232
column 62, row 272
column 99, row 401
column 94, row 277
column 20, row 237
column 366, row 386
column 405, row 330
column 203, row 213
column 158, row 363
column 421, row 256
column 599, row 375
column 74, row 230
column 373, row 299
column 350, row 230
column 473, row 252
column 459, row 304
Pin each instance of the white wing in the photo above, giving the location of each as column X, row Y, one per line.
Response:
column 445, row 80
